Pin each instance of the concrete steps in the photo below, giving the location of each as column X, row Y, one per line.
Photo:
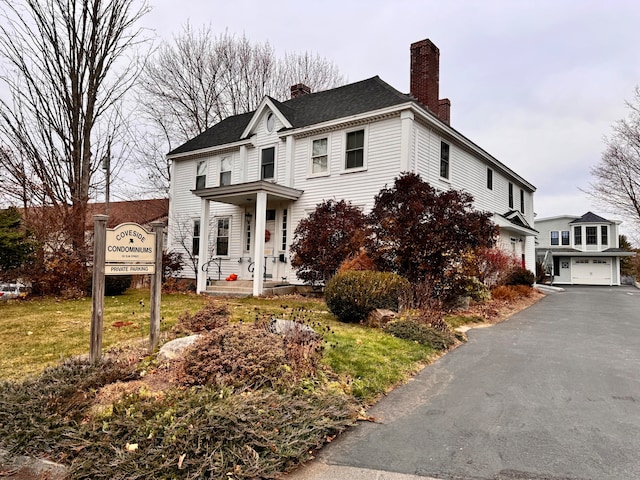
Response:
column 244, row 288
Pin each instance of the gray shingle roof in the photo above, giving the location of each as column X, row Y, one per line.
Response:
column 352, row 99
column 590, row 217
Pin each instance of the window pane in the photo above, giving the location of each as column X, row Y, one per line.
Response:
column 223, row 227
column 222, row 246
column 319, row 147
column 565, row 237
column 577, row 235
column 355, row 140
column 268, row 158
column 444, row 160
column 202, row 168
column 196, row 228
column 195, row 246
column 225, row 164
column 604, row 240
column 225, row 178
column 554, row 238
column 510, row 195
column 592, row 236
column 355, row 159
column 201, row 182
column 319, row 165
column 489, row 179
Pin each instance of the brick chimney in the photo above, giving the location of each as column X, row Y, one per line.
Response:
column 299, row 89
column 425, row 78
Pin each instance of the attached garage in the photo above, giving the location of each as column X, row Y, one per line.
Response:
column 591, row 271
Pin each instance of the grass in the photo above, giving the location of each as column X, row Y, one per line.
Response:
column 37, row 333
column 110, row 421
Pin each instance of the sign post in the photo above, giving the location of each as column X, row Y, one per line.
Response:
column 97, row 287
column 156, row 290
column 127, row 249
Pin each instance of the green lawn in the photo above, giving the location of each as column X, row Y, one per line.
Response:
column 36, row 333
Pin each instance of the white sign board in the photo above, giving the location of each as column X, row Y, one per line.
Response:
column 122, row 269
column 129, row 243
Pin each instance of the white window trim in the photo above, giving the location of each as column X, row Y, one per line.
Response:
column 219, row 173
column 365, row 150
column 275, row 163
column 215, row 235
column 449, row 170
column 206, row 172
column 310, row 173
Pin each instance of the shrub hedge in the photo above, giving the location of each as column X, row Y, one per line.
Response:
column 351, row 295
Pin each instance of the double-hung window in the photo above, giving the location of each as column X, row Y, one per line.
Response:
column 222, row 237
column 510, row 195
column 195, row 238
column 444, row 160
column 565, row 237
column 201, row 175
column 225, row 171
column 268, row 163
column 319, row 157
column 555, row 239
column 354, row 154
column 592, row 235
column 604, row 236
column 577, row 235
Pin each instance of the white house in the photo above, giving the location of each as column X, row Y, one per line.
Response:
column 245, row 183
column 580, row 250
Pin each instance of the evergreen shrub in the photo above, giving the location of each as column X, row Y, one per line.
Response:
column 351, row 295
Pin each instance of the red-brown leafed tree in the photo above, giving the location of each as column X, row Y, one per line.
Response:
column 323, row 240
column 421, row 233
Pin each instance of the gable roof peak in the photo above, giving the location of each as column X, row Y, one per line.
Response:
column 591, row 217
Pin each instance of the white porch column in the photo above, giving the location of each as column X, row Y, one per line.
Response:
column 530, row 253
column 201, row 276
column 289, row 162
column 258, row 253
column 243, row 164
column 405, row 140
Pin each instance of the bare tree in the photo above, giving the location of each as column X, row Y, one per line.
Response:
column 67, row 69
column 617, row 176
column 201, row 79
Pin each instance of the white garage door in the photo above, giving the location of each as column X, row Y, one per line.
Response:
column 591, row 271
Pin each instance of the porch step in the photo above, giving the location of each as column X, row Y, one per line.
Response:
column 244, row 288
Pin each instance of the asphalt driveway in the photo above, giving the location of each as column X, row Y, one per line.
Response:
column 553, row 393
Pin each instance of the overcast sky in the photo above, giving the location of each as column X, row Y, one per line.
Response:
column 535, row 83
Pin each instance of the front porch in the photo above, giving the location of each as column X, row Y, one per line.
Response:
column 244, row 288
column 258, row 252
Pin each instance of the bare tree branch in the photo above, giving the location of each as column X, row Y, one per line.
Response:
column 201, row 79
column 617, row 177
column 67, row 69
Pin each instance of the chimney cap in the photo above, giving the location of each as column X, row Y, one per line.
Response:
column 299, row 89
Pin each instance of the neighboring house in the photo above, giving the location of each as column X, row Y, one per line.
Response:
column 241, row 187
column 580, row 250
column 142, row 212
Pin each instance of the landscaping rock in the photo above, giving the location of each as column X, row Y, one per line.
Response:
column 380, row 317
column 28, row 468
column 174, row 349
column 287, row 327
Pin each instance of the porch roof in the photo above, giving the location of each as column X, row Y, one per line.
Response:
column 572, row 252
column 246, row 193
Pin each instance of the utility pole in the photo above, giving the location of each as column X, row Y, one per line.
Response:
column 106, row 166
